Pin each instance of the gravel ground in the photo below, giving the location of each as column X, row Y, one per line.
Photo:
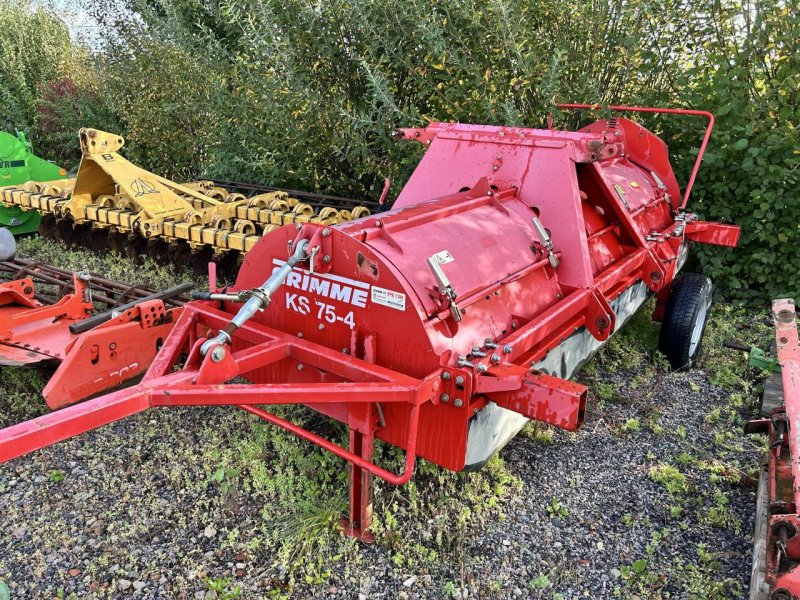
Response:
column 653, row 498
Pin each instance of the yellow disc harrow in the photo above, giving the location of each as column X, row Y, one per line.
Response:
column 113, row 197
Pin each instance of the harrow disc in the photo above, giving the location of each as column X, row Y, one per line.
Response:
column 157, row 250
column 65, row 232
column 48, row 226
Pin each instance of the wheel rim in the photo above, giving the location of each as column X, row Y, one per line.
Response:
column 699, row 326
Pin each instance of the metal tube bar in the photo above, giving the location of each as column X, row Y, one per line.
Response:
column 100, row 318
column 395, row 479
column 284, row 393
column 786, row 336
column 65, row 423
column 260, row 299
column 57, row 426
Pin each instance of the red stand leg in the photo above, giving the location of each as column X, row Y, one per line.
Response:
column 360, row 489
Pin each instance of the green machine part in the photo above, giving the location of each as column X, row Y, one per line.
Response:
column 18, row 165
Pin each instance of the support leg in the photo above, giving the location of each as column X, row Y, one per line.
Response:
column 360, row 489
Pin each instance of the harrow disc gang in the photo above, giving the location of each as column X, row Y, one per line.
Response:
column 112, row 202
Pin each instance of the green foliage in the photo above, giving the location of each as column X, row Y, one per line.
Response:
column 631, row 426
column 224, row 477
column 539, row 432
column 224, row 588
column 671, row 478
column 541, row 582
column 148, row 273
column 33, row 44
column 21, row 398
column 304, row 94
column 556, row 509
column 720, row 515
column 751, row 174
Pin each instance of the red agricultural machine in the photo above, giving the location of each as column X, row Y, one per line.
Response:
column 776, row 554
column 444, row 324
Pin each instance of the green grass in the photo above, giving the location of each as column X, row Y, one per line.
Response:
column 671, row 478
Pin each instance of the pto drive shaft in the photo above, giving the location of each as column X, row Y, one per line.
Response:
column 259, row 299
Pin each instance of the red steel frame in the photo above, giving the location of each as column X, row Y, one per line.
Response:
column 88, row 363
column 198, row 384
column 781, row 551
column 427, row 414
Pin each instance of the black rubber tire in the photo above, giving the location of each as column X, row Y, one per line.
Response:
column 690, row 295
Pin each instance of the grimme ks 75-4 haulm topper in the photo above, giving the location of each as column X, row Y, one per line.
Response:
column 444, row 324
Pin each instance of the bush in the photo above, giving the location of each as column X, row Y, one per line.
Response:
column 33, row 45
column 304, row 95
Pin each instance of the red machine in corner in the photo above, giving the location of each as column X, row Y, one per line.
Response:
column 776, row 553
column 444, row 324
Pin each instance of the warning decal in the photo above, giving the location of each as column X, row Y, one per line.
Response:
column 396, row 300
column 444, row 257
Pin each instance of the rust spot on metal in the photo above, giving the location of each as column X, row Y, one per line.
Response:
column 367, row 267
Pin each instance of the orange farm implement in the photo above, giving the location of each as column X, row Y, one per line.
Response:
column 99, row 333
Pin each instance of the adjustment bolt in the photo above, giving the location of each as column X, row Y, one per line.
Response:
column 507, row 349
column 444, row 398
column 217, row 354
column 459, row 380
column 488, row 343
column 496, row 359
column 482, row 368
column 326, row 259
column 458, row 403
column 326, row 232
column 463, row 362
column 446, row 375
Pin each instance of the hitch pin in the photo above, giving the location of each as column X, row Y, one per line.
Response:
column 259, row 299
column 546, row 241
column 314, row 251
column 221, row 297
column 445, row 287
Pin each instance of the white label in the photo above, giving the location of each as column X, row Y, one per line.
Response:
column 335, row 287
column 396, row 300
column 444, row 257
column 326, row 285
